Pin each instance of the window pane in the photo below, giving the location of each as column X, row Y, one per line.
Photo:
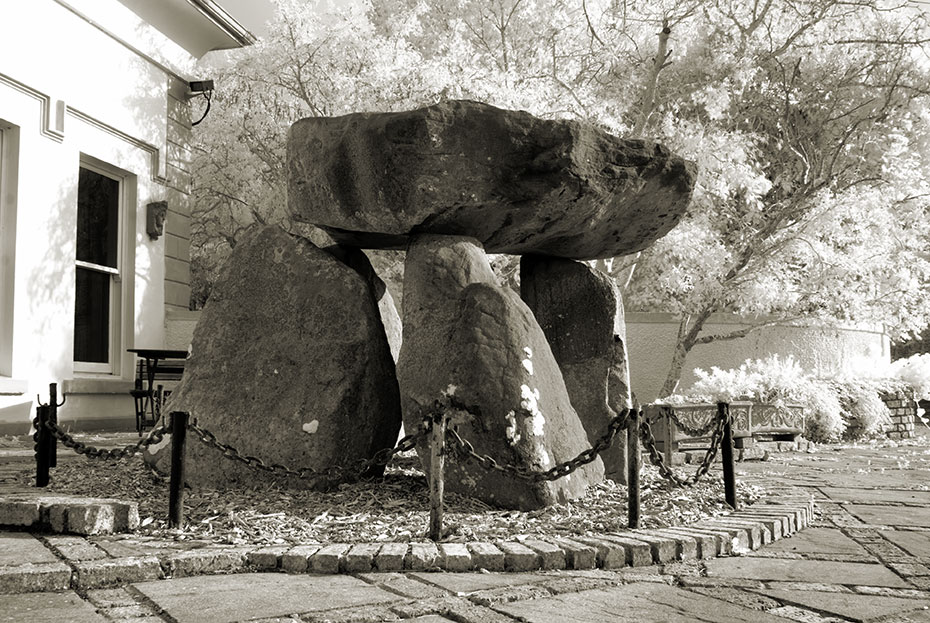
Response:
column 97, row 214
column 92, row 316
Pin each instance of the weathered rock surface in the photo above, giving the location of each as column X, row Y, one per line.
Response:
column 466, row 335
column 517, row 183
column 289, row 363
column 581, row 312
column 390, row 318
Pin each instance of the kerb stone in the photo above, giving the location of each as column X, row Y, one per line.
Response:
column 486, row 556
column 116, row 571
column 518, row 557
column 30, row 578
column 297, row 559
column 455, row 557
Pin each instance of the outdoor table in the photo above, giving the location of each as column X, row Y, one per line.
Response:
column 148, row 397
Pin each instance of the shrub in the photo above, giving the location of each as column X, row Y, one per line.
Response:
column 834, row 409
column 864, row 412
column 914, row 373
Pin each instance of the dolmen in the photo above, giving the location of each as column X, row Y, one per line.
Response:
column 291, row 360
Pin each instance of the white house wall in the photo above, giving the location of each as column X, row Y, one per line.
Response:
column 73, row 89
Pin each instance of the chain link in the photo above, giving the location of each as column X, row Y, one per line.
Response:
column 617, row 424
column 155, row 436
column 332, row 473
column 655, row 457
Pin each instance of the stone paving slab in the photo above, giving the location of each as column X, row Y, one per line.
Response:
column 848, row 573
column 229, row 598
column 817, row 541
column 916, row 543
column 473, row 582
column 891, row 515
column 876, row 496
column 17, row 548
column 65, row 607
column 634, row 603
column 851, row 606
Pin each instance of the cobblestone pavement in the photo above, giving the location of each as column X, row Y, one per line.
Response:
column 863, row 557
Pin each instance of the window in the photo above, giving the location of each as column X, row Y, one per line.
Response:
column 97, row 316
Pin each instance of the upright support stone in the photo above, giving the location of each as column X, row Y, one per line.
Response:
column 580, row 310
column 468, row 337
column 290, row 364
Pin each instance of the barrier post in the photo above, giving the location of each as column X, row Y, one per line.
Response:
column 634, row 461
column 176, row 485
column 437, row 439
column 53, row 418
column 42, row 446
column 729, row 474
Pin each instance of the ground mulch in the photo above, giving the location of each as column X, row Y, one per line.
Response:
column 395, row 508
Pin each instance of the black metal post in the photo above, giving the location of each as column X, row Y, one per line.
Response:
column 729, row 474
column 42, row 446
column 437, row 440
column 176, row 485
column 53, row 418
column 634, row 460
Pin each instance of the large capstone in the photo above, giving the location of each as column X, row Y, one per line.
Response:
column 516, row 183
column 289, row 364
column 468, row 337
column 581, row 312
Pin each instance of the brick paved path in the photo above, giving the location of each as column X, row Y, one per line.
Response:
column 864, row 558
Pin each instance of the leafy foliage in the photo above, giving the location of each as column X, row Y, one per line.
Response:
column 809, row 120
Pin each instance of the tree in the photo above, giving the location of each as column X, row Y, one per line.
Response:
column 808, row 120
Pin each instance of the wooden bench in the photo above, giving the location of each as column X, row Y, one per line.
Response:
column 158, row 372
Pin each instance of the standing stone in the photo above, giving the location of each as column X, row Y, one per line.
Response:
column 289, row 364
column 517, row 183
column 467, row 336
column 581, row 312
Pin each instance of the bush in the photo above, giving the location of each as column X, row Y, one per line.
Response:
column 864, row 412
column 834, row 409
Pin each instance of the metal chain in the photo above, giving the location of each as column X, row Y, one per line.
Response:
column 334, row 472
column 155, row 436
column 689, row 430
column 617, row 424
column 655, row 457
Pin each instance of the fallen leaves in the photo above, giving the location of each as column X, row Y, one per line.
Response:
column 395, row 508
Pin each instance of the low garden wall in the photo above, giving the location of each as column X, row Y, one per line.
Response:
column 903, row 415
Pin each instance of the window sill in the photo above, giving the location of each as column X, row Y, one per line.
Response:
column 13, row 387
column 97, row 386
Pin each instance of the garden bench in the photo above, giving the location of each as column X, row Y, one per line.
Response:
column 751, row 421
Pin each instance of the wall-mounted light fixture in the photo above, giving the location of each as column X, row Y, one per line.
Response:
column 204, row 88
column 155, row 213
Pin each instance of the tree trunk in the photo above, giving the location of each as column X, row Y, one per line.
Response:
column 687, row 337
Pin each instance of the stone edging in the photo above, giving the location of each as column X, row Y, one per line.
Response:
column 84, row 566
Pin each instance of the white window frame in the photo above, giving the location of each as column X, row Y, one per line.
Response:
column 9, row 168
column 118, row 303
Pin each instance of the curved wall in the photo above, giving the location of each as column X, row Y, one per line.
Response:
column 651, row 340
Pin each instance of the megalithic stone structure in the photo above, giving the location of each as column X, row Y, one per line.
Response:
column 581, row 312
column 291, row 359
